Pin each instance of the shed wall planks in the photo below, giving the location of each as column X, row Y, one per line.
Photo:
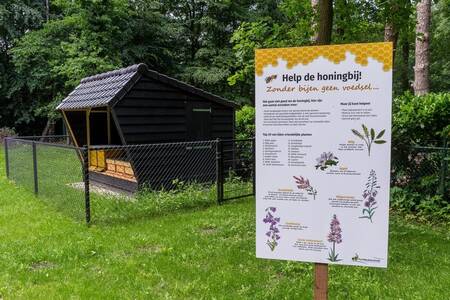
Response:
column 154, row 112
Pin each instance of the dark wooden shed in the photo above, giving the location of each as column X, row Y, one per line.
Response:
column 134, row 106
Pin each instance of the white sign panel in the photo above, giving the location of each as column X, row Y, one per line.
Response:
column 323, row 139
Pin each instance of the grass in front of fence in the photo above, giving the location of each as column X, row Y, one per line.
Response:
column 205, row 253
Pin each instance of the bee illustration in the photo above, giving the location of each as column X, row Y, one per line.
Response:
column 356, row 257
column 270, row 78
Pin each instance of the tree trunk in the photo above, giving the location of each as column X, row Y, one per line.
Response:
column 404, row 66
column 391, row 35
column 47, row 10
column 325, row 10
column 421, row 75
column 315, row 5
column 48, row 130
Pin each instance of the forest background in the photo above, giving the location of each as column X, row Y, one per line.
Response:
column 47, row 46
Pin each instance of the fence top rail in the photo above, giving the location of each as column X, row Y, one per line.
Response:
column 35, row 139
column 187, row 143
column 28, row 137
column 29, row 141
column 433, row 148
column 237, row 140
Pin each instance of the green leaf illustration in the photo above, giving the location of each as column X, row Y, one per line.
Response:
column 380, row 142
column 366, row 131
column 372, row 133
column 355, row 132
column 380, row 134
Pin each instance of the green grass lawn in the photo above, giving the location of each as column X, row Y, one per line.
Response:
column 179, row 252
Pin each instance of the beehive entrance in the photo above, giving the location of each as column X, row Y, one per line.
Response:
column 110, row 163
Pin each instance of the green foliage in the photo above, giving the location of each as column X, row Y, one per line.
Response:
column 440, row 39
column 419, row 205
column 420, row 119
column 208, row 43
column 89, row 37
column 202, row 33
column 351, row 20
column 6, row 132
column 245, row 122
column 292, row 27
column 424, row 121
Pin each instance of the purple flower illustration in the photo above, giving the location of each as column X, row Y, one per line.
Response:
column 273, row 235
column 335, row 237
column 326, row 160
column 303, row 184
column 369, row 195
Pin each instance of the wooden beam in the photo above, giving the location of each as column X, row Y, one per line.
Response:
column 108, row 120
column 88, row 127
column 66, row 121
column 88, row 135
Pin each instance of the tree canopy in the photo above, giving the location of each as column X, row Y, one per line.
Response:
column 209, row 43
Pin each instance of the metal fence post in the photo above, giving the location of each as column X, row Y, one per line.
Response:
column 254, row 165
column 219, row 170
column 35, row 169
column 6, row 157
column 87, row 197
column 444, row 170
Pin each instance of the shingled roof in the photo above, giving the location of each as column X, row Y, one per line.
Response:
column 107, row 88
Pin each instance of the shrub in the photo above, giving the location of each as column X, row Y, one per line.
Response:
column 430, row 208
column 6, row 132
column 422, row 120
column 419, row 120
column 245, row 122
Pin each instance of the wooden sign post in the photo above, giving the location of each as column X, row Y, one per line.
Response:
column 320, row 281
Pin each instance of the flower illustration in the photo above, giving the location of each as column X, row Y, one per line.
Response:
column 335, row 237
column 273, row 235
column 369, row 137
column 303, row 184
column 326, row 160
column 369, row 195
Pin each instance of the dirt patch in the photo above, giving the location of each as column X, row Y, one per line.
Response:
column 102, row 190
column 42, row 265
column 151, row 249
column 208, row 229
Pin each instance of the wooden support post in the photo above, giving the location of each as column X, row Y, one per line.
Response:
column 320, row 281
column 88, row 136
column 72, row 136
column 88, row 127
column 108, row 120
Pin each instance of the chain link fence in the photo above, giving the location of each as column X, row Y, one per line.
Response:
column 50, row 167
column 133, row 181
column 423, row 170
column 236, row 169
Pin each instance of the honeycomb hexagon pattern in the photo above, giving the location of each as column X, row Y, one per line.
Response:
column 381, row 52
